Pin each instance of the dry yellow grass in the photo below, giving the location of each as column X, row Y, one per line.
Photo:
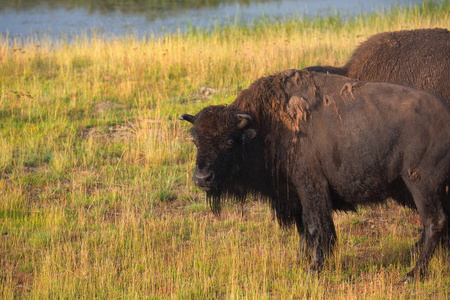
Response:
column 96, row 195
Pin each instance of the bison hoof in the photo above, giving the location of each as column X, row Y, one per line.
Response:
column 414, row 275
column 408, row 280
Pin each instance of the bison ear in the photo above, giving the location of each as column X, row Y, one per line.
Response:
column 187, row 117
column 248, row 135
column 245, row 120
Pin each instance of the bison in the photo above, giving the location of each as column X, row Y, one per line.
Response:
column 312, row 143
column 417, row 58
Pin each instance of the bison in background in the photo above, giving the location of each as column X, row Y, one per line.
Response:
column 312, row 143
column 417, row 58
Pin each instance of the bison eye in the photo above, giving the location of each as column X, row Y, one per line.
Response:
column 229, row 144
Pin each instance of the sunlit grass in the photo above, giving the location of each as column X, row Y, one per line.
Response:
column 96, row 194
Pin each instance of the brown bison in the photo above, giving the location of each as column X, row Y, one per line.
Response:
column 417, row 58
column 312, row 143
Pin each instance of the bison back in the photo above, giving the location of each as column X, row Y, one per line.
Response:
column 416, row 58
column 368, row 134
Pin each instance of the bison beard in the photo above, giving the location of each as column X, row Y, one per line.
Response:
column 213, row 200
column 417, row 58
column 311, row 143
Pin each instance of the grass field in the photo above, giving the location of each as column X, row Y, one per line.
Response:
column 96, row 191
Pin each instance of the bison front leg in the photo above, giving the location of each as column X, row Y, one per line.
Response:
column 318, row 221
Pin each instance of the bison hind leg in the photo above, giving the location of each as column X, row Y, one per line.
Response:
column 400, row 193
column 444, row 195
column 430, row 208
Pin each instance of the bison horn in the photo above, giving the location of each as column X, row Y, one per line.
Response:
column 187, row 117
column 245, row 120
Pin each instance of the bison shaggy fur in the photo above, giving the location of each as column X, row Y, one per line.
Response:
column 417, row 58
column 311, row 143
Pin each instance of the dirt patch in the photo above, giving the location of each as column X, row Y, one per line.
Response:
column 91, row 132
column 12, row 271
column 121, row 131
column 203, row 93
column 104, row 106
column 26, row 170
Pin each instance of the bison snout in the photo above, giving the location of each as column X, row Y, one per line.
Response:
column 204, row 180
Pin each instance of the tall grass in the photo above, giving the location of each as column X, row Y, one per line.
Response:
column 96, row 195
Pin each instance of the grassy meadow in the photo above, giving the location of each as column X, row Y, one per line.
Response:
column 96, row 193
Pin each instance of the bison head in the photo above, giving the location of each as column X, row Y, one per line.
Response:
column 221, row 135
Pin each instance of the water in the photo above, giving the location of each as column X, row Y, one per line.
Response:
column 150, row 18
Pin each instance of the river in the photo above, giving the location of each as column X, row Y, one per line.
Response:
column 22, row 19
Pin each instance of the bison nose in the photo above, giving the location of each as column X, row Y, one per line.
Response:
column 203, row 179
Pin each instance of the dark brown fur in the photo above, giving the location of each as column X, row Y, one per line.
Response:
column 417, row 58
column 319, row 142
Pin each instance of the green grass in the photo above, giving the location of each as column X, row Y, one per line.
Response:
column 96, row 192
